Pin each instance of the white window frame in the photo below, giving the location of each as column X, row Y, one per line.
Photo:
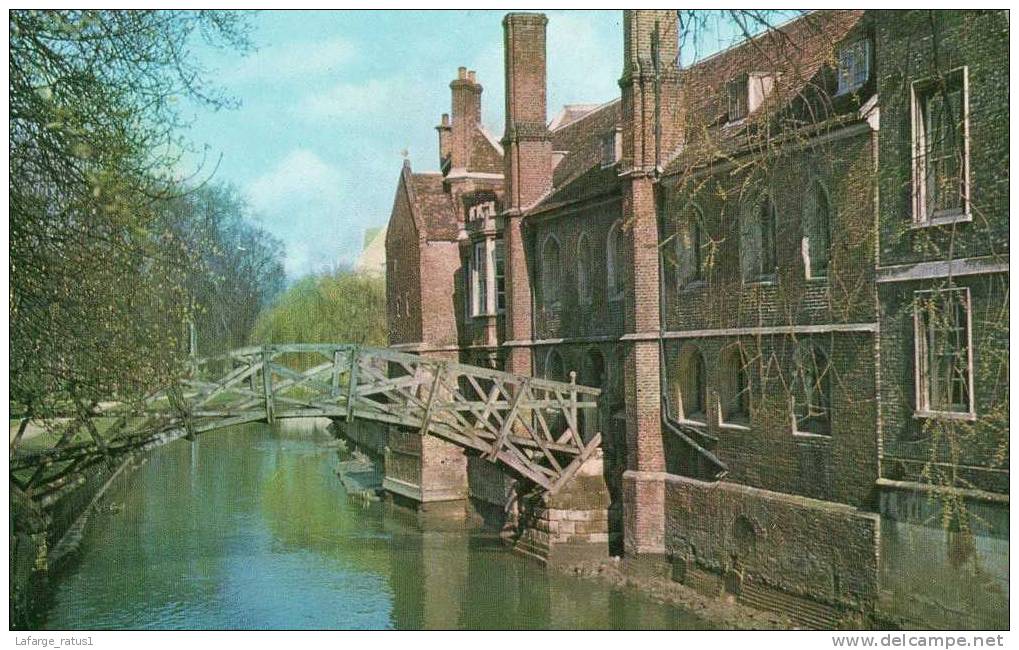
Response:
column 815, row 187
column 482, row 280
column 611, row 148
column 846, row 82
column 921, row 386
column 917, row 90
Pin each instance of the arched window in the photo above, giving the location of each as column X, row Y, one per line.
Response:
column 692, row 399
column 554, row 367
column 735, row 389
column 585, row 260
column 758, row 240
column 690, row 258
column 616, row 256
column 816, row 230
column 550, row 271
column 812, row 391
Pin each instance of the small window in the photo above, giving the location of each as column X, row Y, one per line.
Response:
column 690, row 244
column 853, row 66
column 481, row 211
column 616, row 256
column 550, row 271
column 500, row 276
column 816, row 231
column 585, row 259
column 554, row 366
column 735, row 393
column 941, row 148
column 944, row 373
column 610, row 148
column 692, row 385
column 738, row 96
column 758, row 240
column 812, row 391
column 479, row 279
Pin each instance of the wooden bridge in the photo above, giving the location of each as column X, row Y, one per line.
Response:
column 532, row 426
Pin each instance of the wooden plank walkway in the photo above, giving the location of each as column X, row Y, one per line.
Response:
column 526, row 424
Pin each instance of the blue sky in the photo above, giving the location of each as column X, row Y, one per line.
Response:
column 330, row 99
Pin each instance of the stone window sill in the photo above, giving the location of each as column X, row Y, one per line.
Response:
column 945, row 415
column 763, row 281
column 807, row 435
column 693, row 286
column 733, row 426
column 943, row 219
column 692, row 423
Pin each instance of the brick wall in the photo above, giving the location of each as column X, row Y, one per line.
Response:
column 403, row 272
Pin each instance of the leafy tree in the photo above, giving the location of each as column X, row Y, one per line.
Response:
column 97, row 291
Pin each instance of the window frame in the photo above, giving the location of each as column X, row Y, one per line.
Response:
column 547, row 271
column 737, row 387
column 733, row 88
column 614, row 267
column 819, row 190
column 842, row 88
column 808, row 347
column 693, row 226
column 753, row 210
column 479, row 279
column 919, row 89
column 689, row 354
column 922, row 397
column 585, row 263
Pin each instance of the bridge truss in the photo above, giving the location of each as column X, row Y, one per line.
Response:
column 532, row 426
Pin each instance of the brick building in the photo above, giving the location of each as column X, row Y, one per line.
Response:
column 786, row 265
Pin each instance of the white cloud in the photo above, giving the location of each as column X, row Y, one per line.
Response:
column 293, row 61
column 349, row 99
column 301, row 201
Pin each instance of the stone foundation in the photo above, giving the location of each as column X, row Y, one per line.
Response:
column 423, row 470
column 818, row 550
column 571, row 526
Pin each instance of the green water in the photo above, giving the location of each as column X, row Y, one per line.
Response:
column 249, row 528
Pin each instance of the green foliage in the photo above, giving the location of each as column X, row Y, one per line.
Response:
column 336, row 307
column 98, row 291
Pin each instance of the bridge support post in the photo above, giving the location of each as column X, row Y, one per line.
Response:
column 270, row 417
column 423, row 472
column 571, row 526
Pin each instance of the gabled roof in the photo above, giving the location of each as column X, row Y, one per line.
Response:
column 430, row 204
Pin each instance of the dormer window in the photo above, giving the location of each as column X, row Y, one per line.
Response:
column 738, row 95
column 853, row 66
column 610, row 144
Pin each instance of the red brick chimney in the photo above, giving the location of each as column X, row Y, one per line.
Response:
column 527, row 167
column 527, row 144
column 652, row 130
column 466, row 105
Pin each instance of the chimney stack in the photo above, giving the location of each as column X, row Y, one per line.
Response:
column 445, row 141
column 650, row 88
column 466, row 101
column 527, row 167
column 528, row 147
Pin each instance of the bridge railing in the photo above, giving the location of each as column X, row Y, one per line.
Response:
column 530, row 425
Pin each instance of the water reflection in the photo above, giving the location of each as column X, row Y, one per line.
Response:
column 249, row 528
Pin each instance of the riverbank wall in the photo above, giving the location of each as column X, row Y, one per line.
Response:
column 44, row 541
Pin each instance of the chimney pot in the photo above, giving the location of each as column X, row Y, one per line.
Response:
column 461, row 72
column 470, row 76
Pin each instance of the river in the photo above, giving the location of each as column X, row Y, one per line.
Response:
column 249, row 528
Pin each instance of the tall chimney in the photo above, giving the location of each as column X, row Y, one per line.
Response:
column 466, row 99
column 527, row 144
column 527, row 168
column 652, row 130
column 652, row 106
column 445, row 141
